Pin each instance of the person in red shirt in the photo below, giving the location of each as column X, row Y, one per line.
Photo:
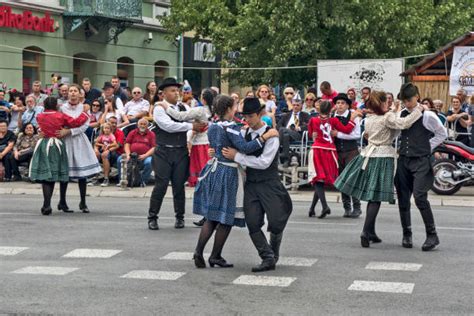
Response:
column 323, row 165
column 327, row 93
column 142, row 142
column 50, row 162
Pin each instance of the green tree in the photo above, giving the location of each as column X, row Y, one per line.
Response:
column 276, row 33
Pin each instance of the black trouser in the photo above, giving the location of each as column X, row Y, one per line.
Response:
column 286, row 136
column 414, row 176
column 7, row 164
column 169, row 164
column 21, row 158
column 344, row 158
column 266, row 197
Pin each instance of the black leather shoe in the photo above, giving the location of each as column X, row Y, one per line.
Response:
column 311, row 213
column 200, row 222
column 430, row 243
column 64, row 208
column 220, row 262
column 266, row 265
column 84, row 208
column 153, row 224
column 179, row 223
column 325, row 212
column 355, row 214
column 365, row 240
column 374, row 238
column 46, row 210
column 347, row 213
column 199, row 261
column 407, row 242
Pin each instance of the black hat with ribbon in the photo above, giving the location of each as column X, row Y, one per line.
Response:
column 169, row 82
column 252, row 105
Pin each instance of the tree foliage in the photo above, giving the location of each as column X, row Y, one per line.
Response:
column 299, row 32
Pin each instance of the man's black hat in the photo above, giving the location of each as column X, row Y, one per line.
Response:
column 407, row 91
column 107, row 85
column 342, row 96
column 252, row 105
column 169, row 82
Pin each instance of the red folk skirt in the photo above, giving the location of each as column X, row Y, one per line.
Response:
column 197, row 160
column 325, row 166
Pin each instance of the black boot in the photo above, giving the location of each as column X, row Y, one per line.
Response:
column 84, row 208
column 406, row 226
column 153, row 224
column 200, row 222
column 432, row 239
column 357, row 211
column 264, row 251
column 311, row 212
column 346, row 203
column 365, row 240
column 46, row 210
column 275, row 242
column 325, row 212
column 63, row 207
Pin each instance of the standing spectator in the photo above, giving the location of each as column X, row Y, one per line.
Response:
column 63, row 91
column 7, row 141
column 291, row 127
column 111, row 110
column 38, row 96
column 351, row 93
column 136, row 108
column 151, row 94
column 104, row 145
column 187, row 91
column 4, row 107
column 286, row 104
column 18, row 107
column 263, row 93
column 462, row 95
column 309, row 104
column 390, row 101
column 327, row 92
column 438, row 104
column 118, row 91
column 31, row 111
column 458, row 120
column 142, row 142
column 91, row 93
column 23, row 149
column 365, row 92
column 108, row 90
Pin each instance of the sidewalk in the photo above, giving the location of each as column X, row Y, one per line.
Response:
column 465, row 197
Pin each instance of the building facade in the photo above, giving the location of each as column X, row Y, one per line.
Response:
column 85, row 38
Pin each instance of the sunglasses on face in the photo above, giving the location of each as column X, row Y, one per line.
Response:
column 309, row 99
column 136, row 92
column 286, row 93
column 263, row 91
column 96, row 105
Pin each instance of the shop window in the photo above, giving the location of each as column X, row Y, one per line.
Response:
column 125, row 71
column 161, row 71
column 84, row 68
column 33, row 64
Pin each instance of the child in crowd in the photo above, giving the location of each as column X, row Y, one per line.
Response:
column 103, row 144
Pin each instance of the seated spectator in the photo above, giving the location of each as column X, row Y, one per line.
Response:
column 136, row 108
column 309, row 104
column 439, row 105
column 458, row 121
column 110, row 110
column 291, row 127
column 31, row 111
column 104, row 145
column 142, row 142
column 285, row 105
column 430, row 104
column 95, row 115
column 263, row 93
column 23, row 149
column 108, row 90
column 18, row 106
column 4, row 107
column 7, row 141
column 327, row 92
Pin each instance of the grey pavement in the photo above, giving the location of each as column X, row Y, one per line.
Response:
column 465, row 197
column 326, row 268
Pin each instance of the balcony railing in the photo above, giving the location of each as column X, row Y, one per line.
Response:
column 130, row 10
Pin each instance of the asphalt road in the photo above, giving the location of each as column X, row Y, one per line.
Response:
column 326, row 271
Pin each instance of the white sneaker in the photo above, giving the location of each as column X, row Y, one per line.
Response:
column 105, row 183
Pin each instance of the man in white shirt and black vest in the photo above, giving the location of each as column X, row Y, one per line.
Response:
column 414, row 171
column 170, row 159
column 263, row 192
column 347, row 146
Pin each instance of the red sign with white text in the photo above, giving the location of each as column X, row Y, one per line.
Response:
column 26, row 21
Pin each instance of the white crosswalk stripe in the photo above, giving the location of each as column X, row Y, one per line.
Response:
column 92, row 253
column 386, row 287
column 153, row 275
column 394, row 266
column 11, row 251
column 264, row 280
column 296, row 261
column 180, row 256
column 45, row 270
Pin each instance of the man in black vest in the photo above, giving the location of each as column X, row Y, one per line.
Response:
column 347, row 146
column 414, row 172
column 170, row 159
column 263, row 191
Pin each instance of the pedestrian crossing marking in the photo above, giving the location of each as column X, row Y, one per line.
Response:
column 386, row 287
column 181, row 256
column 296, row 261
column 153, row 275
column 92, row 253
column 11, row 251
column 394, row 266
column 264, row 280
column 45, row 270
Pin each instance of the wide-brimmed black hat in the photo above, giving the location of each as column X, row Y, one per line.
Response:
column 407, row 91
column 252, row 105
column 342, row 96
column 107, row 85
column 169, row 82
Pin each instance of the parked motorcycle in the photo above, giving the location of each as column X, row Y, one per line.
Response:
column 455, row 171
